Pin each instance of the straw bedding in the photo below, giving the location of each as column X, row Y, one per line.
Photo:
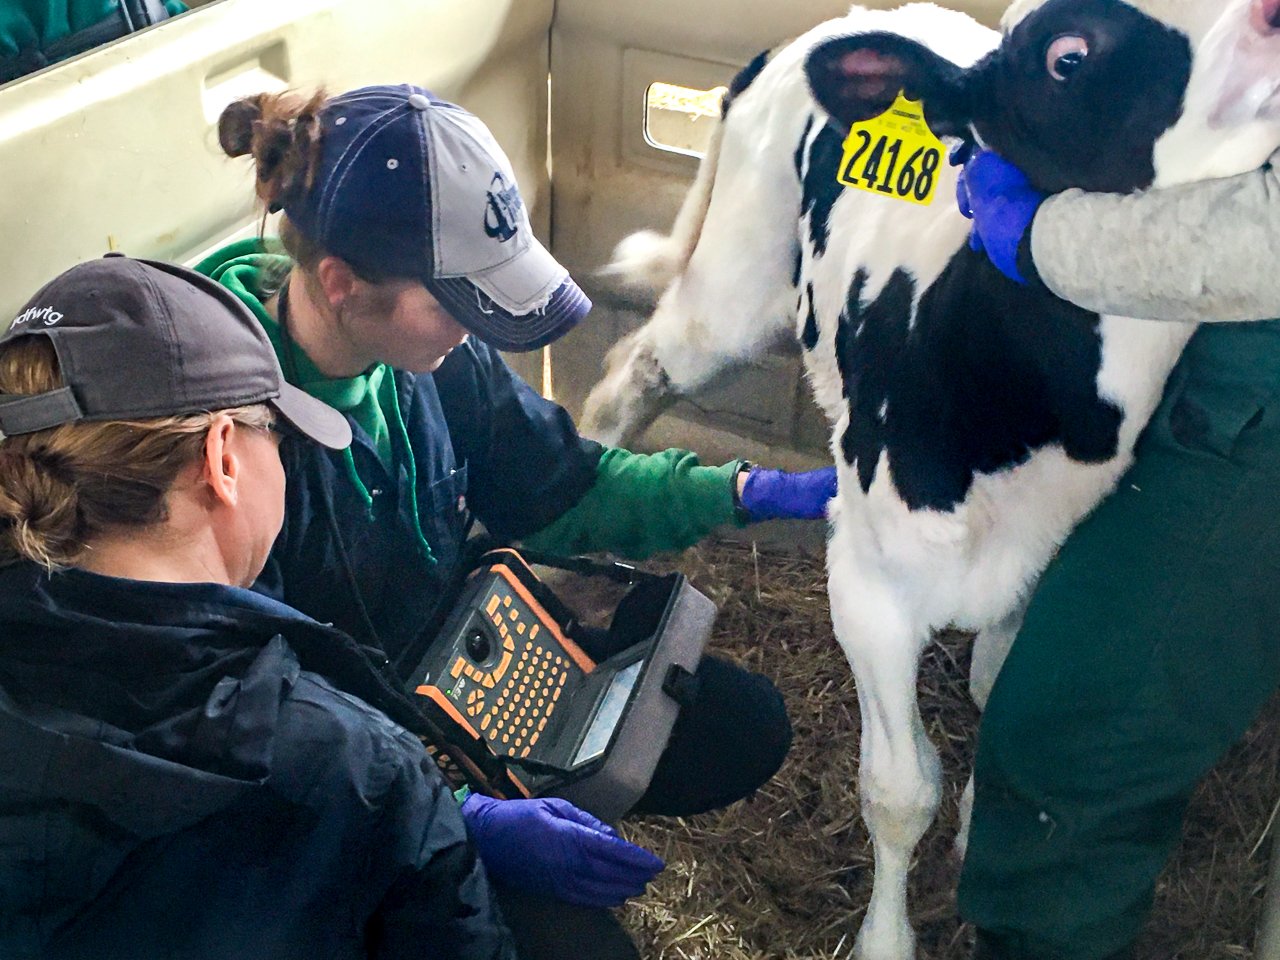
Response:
column 787, row 874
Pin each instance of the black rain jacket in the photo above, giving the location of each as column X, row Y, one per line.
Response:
column 195, row 771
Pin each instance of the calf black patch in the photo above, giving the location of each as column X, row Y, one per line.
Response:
column 810, row 335
column 820, row 188
column 987, row 373
column 798, row 159
column 846, row 333
column 746, row 76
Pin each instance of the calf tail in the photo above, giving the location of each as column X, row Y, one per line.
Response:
column 650, row 261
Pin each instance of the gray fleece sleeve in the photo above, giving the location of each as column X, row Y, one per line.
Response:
column 1206, row 251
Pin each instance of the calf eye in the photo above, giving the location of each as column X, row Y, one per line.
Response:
column 1065, row 56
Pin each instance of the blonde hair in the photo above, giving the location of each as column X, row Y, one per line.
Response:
column 61, row 488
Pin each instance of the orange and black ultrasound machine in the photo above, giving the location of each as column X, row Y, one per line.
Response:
column 529, row 712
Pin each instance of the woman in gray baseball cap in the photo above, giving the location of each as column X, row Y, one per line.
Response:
column 179, row 776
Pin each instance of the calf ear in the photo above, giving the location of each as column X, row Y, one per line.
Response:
column 856, row 78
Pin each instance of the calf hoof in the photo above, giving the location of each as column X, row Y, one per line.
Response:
column 885, row 941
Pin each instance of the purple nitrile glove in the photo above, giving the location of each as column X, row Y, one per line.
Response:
column 550, row 846
column 779, row 495
column 1001, row 202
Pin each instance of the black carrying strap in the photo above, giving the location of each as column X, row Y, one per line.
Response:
column 623, row 573
column 130, row 16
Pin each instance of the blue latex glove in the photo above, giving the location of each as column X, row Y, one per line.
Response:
column 550, row 846
column 778, row 495
column 1001, row 202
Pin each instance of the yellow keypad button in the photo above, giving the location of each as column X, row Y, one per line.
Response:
column 542, row 723
column 508, row 645
column 534, row 739
column 458, row 667
column 493, row 604
column 525, row 753
column 493, row 733
column 507, row 600
column 555, row 694
column 506, row 738
column 489, row 681
column 501, row 668
column 484, row 723
column 520, row 629
column 533, row 631
column 513, row 614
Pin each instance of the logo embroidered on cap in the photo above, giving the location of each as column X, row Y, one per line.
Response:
column 47, row 315
column 502, row 214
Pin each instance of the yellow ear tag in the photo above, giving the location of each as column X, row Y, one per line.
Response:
column 894, row 155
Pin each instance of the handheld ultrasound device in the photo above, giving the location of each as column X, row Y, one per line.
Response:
column 512, row 673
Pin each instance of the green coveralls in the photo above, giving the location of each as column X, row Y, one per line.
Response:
column 1149, row 648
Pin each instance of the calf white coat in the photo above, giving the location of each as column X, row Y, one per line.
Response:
column 974, row 423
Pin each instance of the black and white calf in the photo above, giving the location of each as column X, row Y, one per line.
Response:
column 974, row 421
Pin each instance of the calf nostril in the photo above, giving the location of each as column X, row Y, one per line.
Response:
column 869, row 63
column 1268, row 15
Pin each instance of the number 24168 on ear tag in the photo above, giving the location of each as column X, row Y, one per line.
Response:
column 895, row 154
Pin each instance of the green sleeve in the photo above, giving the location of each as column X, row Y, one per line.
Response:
column 642, row 504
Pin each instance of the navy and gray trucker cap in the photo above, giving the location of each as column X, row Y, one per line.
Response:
column 411, row 186
column 138, row 339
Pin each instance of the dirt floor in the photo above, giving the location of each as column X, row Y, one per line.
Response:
column 787, row 874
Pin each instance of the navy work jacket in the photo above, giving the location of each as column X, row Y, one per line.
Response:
column 485, row 445
column 185, row 772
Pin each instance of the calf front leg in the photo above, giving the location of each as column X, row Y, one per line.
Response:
column 899, row 774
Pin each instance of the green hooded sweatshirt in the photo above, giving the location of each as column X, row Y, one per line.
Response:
column 640, row 504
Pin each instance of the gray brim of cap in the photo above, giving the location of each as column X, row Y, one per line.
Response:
column 312, row 418
column 522, row 304
column 475, row 310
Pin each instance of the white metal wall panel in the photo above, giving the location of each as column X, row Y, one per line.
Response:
column 117, row 147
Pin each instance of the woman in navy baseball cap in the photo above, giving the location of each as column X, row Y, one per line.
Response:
column 403, row 231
